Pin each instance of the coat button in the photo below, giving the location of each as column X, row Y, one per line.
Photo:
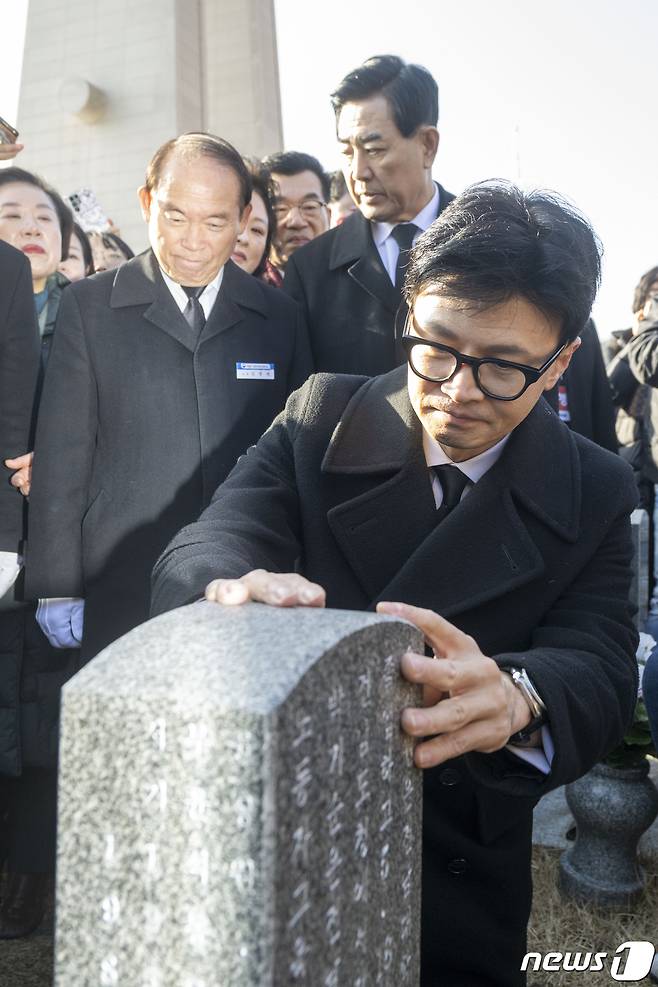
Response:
column 449, row 777
column 457, row 866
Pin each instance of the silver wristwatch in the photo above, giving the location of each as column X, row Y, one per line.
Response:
column 523, row 683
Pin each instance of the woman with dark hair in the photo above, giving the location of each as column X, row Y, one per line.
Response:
column 35, row 220
column 109, row 251
column 252, row 248
column 79, row 262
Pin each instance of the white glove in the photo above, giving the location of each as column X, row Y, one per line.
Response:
column 61, row 619
column 10, row 565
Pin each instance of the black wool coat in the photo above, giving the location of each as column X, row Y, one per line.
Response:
column 589, row 393
column 352, row 308
column 31, row 672
column 534, row 563
column 19, row 368
column 139, row 423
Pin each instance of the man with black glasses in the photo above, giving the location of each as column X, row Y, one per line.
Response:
column 450, row 487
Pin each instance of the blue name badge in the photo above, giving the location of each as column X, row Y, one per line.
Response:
column 254, row 371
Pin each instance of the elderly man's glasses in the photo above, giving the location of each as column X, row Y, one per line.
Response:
column 499, row 379
column 309, row 209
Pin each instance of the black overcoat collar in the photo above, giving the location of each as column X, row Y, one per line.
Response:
column 353, row 247
column 389, row 535
column 139, row 282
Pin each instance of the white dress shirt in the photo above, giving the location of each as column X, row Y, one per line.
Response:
column 207, row 297
column 387, row 246
column 475, row 468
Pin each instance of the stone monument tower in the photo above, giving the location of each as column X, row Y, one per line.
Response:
column 105, row 84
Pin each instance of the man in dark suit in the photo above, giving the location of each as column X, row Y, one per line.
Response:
column 19, row 367
column 162, row 374
column 301, row 194
column 349, row 280
column 450, row 485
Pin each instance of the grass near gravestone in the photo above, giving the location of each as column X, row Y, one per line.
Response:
column 557, row 925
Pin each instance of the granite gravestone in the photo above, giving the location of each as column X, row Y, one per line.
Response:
column 238, row 806
column 639, row 592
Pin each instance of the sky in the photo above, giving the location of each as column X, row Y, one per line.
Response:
column 557, row 95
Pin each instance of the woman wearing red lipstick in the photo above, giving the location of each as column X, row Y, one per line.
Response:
column 252, row 248
column 35, row 220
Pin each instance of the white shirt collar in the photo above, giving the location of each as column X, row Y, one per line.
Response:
column 207, row 297
column 425, row 218
column 474, row 468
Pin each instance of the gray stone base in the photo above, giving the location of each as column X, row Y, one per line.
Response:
column 553, row 820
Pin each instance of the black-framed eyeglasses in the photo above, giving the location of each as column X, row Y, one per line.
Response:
column 502, row 380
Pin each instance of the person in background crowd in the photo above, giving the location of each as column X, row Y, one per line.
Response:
column 341, row 203
column 301, row 193
column 109, row 251
column 79, row 262
column 162, row 374
column 582, row 397
column 450, row 485
column 252, row 249
column 349, row 282
column 35, row 220
column 633, row 399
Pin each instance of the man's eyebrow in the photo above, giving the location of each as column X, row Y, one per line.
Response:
column 170, row 207
column 361, row 139
column 501, row 351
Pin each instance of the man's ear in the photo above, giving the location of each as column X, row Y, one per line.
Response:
column 429, row 140
column 554, row 373
column 144, row 197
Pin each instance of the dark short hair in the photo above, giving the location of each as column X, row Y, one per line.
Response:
column 114, row 242
column 64, row 214
column 87, row 255
column 410, row 91
column 495, row 242
column 338, row 186
column 294, row 162
column 201, row 145
column 641, row 292
column 261, row 180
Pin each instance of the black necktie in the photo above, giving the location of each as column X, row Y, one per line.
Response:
column 452, row 482
column 403, row 234
column 193, row 312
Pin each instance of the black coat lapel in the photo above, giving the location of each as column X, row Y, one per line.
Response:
column 238, row 291
column 484, row 549
column 388, row 534
column 139, row 282
column 354, row 248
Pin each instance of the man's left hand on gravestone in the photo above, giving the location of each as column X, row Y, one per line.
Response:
column 279, row 589
column 470, row 705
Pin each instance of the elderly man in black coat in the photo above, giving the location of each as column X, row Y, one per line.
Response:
column 349, row 280
column 162, row 374
column 452, row 488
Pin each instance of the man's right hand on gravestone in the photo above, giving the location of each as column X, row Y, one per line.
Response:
column 279, row 589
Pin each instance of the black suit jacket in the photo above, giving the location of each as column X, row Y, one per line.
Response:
column 139, row 423
column 19, row 368
column 589, row 393
column 352, row 309
column 533, row 563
